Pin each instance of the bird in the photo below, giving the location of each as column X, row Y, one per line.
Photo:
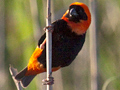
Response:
column 68, row 37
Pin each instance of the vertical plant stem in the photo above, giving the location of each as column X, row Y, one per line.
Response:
column 93, row 47
column 49, row 44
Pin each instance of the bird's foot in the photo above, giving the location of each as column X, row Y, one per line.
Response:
column 49, row 28
column 48, row 81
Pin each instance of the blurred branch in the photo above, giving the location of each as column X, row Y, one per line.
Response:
column 34, row 13
column 108, row 81
column 2, row 43
column 13, row 73
column 93, row 47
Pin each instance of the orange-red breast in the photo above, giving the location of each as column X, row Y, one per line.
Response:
column 68, row 37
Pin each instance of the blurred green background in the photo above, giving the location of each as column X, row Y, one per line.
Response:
column 21, row 26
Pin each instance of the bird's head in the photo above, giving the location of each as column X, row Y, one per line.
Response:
column 78, row 17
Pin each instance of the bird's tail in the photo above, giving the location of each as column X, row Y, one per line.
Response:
column 24, row 80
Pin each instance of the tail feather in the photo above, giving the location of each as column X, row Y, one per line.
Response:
column 21, row 74
column 24, row 80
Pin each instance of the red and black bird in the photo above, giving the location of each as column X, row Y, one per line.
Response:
column 68, row 37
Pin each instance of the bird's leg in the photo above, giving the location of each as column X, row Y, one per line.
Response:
column 48, row 81
column 49, row 28
column 43, row 44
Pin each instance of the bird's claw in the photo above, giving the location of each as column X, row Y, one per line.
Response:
column 48, row 82
column 49, row 28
